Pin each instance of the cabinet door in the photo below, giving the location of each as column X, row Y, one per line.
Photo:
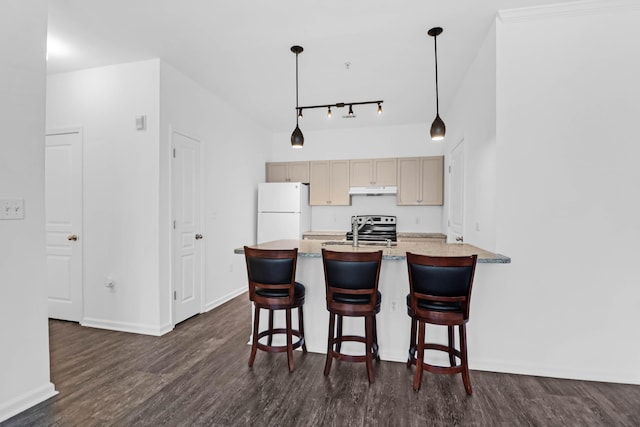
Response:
column 408, row 181
column 360, row 173
column 276, row 172
column 319, row 183
column 340, row 183
column 298, row 172
column 384, row 171
column 432, row 180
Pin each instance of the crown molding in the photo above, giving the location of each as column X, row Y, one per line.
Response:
column 577, row 8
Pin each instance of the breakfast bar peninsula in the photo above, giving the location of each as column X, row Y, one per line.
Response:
column 393, row 323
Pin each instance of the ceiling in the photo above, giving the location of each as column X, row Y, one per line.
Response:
column 240, row 50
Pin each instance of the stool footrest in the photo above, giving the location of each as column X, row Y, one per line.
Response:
column 437, row 369
column 279, row 348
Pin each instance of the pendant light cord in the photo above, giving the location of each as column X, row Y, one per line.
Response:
column 435, row 45
column 297, row 109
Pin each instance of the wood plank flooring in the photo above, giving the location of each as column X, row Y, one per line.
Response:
column 198, row 375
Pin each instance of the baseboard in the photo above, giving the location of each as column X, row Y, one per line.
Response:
column 568, row 373
column 135, row 328
column 228, row 297
column 501, row 366
column 26, row 401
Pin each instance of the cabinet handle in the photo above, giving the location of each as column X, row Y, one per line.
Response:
column 328, row 202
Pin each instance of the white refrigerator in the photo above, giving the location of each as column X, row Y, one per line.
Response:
column 283, row 211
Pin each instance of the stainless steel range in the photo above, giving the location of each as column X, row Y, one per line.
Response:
column 379, row 228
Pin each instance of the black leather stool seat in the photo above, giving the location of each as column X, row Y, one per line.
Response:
column 435, row 305
column 356, row 299
column 298, row 292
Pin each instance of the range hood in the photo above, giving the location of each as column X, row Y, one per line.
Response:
column 373, row 190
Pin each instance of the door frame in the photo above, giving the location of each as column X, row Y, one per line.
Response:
column 201, row 193
column 79, row 246
column 451, row 235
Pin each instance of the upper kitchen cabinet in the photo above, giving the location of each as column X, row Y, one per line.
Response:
column 420, row 181
column 287, row 172
column 329, row 183
column 367, row 172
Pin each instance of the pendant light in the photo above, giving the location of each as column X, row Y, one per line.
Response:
column 297, row 139
column 438, row 128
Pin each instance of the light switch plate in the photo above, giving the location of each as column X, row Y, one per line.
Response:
column 11, row 208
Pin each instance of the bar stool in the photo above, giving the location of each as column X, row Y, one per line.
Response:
column 272, row 286
column 440, row 294
column 351, row 280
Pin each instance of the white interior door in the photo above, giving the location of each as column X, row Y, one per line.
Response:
column 187, row 233
column 63, row 205
column 456, row 194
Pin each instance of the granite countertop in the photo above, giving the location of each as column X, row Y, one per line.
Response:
column 434, row 247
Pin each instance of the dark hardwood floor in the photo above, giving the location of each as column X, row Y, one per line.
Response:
column 198, row 375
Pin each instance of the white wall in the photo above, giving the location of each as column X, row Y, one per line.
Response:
column 24, row 335
column 121, row 189
column 366, row 143
column 235, row 151
column 566, row 200
column 472, row 120
column 127, row 183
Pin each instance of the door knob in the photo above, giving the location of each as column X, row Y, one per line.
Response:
column 198, row 236
column 72, row 237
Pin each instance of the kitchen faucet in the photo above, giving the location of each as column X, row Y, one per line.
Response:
column 355, row 227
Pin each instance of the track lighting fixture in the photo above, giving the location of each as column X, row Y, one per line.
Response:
column 438, row 128
column 297, row 139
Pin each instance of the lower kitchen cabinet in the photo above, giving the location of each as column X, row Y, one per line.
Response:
column 420, row 181
column 329, row 183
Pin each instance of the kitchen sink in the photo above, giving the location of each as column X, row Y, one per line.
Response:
column 360, row 243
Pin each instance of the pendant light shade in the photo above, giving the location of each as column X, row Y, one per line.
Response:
column 297, row 139
column 438, row 128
